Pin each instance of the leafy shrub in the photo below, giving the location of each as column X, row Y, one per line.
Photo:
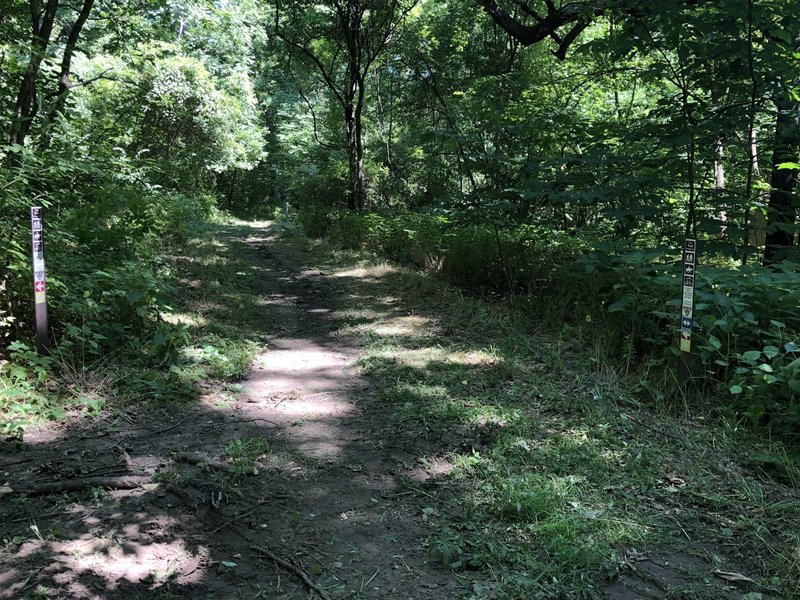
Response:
column 475, row 256
column 746, row 324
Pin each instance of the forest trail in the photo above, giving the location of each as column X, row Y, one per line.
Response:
column 324, row 495
column 383, row 444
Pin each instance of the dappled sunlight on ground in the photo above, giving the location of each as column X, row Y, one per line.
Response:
column 184, row 319
column 294, row 363
column 424, row 358
column 394, row 326
column 396, row 442
column 367, row 271
column 141, row 548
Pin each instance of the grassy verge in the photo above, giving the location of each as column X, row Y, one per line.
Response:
column 550, row 479
column 195, row 341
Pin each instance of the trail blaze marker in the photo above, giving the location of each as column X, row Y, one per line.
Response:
column 687, row 308
column 39, row 285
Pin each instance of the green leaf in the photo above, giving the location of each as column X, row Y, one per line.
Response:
column 619, row 305
column 736, row 389
column 771, row 351
column 751, row 355
column 791, row 347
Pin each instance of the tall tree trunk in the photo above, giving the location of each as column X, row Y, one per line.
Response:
column 361, row 190
column 352, row 156
column 354, row 105
column 66, row 59
column 782, row 213
column 25, row 106
column 273, row 153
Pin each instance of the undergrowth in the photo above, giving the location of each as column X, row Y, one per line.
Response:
column 746, row 323
column 126, row 335
column 559, row 477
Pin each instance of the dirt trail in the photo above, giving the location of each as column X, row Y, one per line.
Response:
column 327, row 495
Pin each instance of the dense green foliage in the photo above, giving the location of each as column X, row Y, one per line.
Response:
column 124, row 162
column 571, row 184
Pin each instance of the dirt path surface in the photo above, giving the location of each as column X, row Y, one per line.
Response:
column 293, row 462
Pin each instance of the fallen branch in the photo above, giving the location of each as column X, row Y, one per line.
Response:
column 14, row 462
column 75, row 485
column 294, row 569
column 193, row 458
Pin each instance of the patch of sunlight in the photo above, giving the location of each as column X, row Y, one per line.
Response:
column 410, row 325
column 213, row 260
column 276, row 300
column 418, row 358
column 424, row 391
column 126, row 560
column 476, row 358
column 184, row 319
column 356, row 313
column 421, row 358
column 368, row 271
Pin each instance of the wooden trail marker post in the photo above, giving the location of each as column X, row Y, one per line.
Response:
column 687, row 310
column 39, row 291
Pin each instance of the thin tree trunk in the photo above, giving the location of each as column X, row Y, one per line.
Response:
column 361, row 190
column 352, row 157
column 752, row 149
column 782, row 213
column 25, row 105
column 66, row 59
column 719, row 168
column 273, row 146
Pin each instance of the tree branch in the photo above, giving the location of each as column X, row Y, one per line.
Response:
column 310, row 108
column 547, row 26
column 325, row 74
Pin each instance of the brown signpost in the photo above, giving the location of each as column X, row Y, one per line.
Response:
column 39, row 285
column 687, row 309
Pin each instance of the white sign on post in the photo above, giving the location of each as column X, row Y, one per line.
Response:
column 39, row 284
column 687, row 307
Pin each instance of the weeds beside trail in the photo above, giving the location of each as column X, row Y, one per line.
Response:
column 392, row 439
